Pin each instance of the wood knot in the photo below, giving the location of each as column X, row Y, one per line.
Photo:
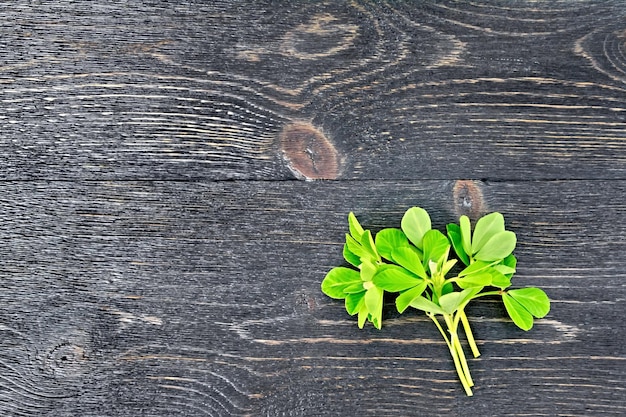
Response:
column 468, row 199
column 308, row 152
column 66, row 359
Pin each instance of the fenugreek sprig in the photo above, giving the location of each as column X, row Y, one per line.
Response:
column 415, row 263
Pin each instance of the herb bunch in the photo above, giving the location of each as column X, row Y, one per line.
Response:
column 415, row 262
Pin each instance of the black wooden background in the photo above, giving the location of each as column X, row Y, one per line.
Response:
column 176, row 176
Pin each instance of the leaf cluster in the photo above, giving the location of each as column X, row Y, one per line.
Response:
column 416, row 263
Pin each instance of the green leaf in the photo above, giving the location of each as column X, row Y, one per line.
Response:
column 453, row 227
column 475, row 267
column 466, row 234
column 520, row 316
column 499, row 246
column 433, row 267
column 454, row 234
column 500, row 280
column 447, row 288
column 409, row 259
column 355, row 227
column 354, row 302
column 404, row 299
column 482, row 273
column 534, row 300
column 337, row 279
column 504, row 269
column 350, row 257
column 426, row 305
column 435, row 245
column 363, row 314
column 511, row 262
column 485, row 228
column 376, row 321
column 355, row 288
column 395, row 279
column 355, row 247
column 367, row 242
column 389, row 239
column 452, row 301
column 374, row 302
column 447, row 266
column 368, row 270
column 415, row 223
column 478, row 279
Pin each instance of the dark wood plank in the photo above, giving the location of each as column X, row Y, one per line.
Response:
column 232, row 90
column 136, row 281
column 202, row 298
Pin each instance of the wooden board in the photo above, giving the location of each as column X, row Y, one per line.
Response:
column 383, row 90
column 157, row 298
column 162, row 249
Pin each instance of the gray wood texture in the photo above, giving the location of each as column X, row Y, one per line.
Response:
column 176, row 180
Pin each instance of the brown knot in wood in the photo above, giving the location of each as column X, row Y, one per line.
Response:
column 308, row 152
column 468, row 199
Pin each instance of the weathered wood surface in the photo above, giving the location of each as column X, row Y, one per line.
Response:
column 159, row 256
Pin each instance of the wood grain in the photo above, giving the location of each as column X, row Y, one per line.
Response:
column 204, row 91
column 161, row 255
column 157, row 298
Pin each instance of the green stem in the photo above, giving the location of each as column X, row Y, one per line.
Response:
column 453, row 325
column 487, row 293
column 458, row 361
column 443, row 333
column 457, row 345
column 467, row 385
column 468, row 333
